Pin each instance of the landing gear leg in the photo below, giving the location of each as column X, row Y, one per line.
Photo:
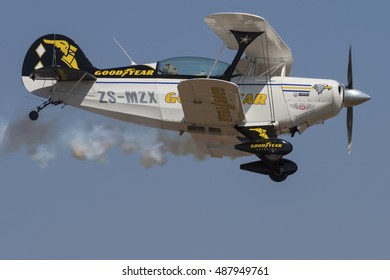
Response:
column 274, row 162
column 34, row 115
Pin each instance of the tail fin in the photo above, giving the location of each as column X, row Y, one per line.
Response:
column 55, row 50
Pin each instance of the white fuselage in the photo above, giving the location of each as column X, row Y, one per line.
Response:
column 285, row 102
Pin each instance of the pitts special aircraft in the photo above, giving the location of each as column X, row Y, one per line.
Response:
column 230, row 110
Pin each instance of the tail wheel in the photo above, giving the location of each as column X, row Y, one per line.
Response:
column 34, row 115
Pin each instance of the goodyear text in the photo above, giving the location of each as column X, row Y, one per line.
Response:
column 124, row 72
column 267, row 145
column 222, row 105
column 247, row 98
column 255, row 99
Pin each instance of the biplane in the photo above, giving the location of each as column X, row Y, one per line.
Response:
column 230, row 109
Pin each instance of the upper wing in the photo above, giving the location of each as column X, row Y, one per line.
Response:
column 268, row 52
column 211, row 103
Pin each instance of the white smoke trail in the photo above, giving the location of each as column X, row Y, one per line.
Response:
column 39, row 140
column 93, row 141
column 44, row 140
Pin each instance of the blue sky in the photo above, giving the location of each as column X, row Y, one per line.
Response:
column 120, row 202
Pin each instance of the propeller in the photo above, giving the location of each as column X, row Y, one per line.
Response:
column 352, row 97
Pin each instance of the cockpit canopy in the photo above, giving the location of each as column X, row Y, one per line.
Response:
column 192, row 66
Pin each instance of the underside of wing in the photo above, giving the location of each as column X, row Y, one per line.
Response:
column 211, row 103
column 267, row 55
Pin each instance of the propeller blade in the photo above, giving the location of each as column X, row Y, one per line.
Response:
column 350, row 76
column 352, row 97
column 349, row 128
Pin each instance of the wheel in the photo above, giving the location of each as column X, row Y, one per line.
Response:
column 278, row 178
column 33, row 115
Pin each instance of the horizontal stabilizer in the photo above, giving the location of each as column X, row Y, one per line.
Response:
column 61, row 74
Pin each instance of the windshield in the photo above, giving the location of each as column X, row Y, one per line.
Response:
column 192, row 66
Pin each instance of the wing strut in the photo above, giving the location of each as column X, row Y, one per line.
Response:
column 244, row 39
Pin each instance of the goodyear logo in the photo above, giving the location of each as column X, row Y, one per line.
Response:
column 264, row 147
column 248, row 98
column 254, row 99
column 267, row 145
column 222, row 105
column 172, row 98
column 125, row 72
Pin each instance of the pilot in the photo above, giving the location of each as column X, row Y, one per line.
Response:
column 169, row 69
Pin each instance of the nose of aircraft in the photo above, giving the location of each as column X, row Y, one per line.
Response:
column 353, row 97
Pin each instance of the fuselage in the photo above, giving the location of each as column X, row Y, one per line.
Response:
column 285, row 102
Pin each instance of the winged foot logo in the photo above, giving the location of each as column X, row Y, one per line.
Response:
column 68, row 52
column 262, row 132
